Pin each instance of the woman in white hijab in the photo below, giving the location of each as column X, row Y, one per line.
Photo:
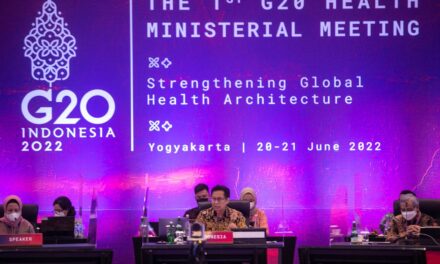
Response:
column 12, row 223
column 257, row 218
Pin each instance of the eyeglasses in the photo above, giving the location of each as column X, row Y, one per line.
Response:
column 217, row 200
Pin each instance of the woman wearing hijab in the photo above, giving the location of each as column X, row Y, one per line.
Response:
column 257, row 218
column 12, row 223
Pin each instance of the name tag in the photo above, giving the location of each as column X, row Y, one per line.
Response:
column 220, row 237
column 23, row 240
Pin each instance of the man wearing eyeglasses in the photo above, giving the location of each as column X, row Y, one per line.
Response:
column 220, row 217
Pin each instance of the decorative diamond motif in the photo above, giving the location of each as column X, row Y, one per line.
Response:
column 50, row 46
column 166, row 63
column 167, row 126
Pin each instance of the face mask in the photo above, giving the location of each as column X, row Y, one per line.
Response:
column 200, row 200
column 409, row 215
column 13, row 216
column 59, row 214
column 252, row 205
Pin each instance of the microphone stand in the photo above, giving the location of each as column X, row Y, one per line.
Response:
column 197, row 252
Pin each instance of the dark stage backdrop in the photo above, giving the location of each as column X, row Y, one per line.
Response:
column 327, row 108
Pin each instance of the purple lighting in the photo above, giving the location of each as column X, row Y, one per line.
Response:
column 116, row 128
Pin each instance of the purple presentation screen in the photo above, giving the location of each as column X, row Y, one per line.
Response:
column 327, row 108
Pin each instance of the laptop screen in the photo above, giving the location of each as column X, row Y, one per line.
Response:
column 58, row 226
column 163, row 222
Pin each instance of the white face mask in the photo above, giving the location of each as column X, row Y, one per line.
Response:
column 409, row 215
column 13, row 216
column 59, row 214
column 252, row 205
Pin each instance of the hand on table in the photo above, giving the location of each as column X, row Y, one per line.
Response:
column 413, row 230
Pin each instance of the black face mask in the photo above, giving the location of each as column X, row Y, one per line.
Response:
column 201, row 200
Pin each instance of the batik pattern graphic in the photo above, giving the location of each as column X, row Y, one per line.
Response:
column 50, row 46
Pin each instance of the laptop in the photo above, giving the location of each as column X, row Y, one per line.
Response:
column 163, row 222
column 60, row 230
column 58, row 226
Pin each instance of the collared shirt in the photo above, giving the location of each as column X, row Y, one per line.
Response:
column 212, row 222
column 399, row 225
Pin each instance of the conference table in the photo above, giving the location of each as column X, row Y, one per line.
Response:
column 57, row 254
column 374, row 253
column 215, row 253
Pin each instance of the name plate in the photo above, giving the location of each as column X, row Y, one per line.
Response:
column 23, row 240
column 249, row 235
column 219, row 237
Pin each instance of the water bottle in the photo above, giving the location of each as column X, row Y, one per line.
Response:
column 171, row 232
column 187, row 227
column 179, row 224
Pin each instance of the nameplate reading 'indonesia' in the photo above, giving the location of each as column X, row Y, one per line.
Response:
column 220, row 237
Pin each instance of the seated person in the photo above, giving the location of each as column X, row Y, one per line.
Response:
column 201, row 192
column 220, row 217
column 257, row 217
column 62, row 206
column 12, row 223
column 408, row 223
column 385, row 223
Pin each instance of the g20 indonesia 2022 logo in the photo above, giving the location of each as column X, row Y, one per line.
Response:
column 50, row 46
